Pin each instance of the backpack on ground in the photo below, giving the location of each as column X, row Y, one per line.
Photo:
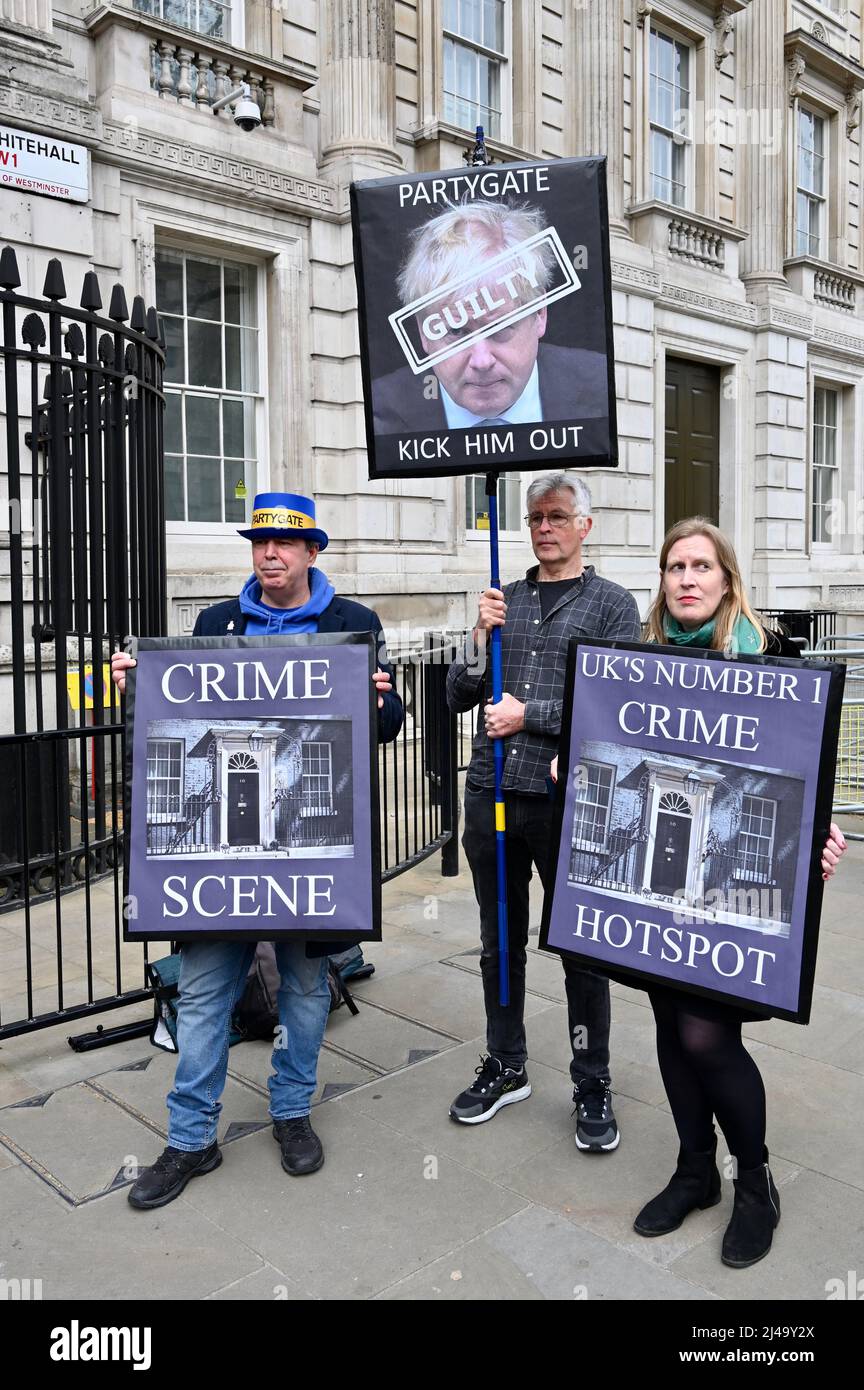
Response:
column 256, row 1014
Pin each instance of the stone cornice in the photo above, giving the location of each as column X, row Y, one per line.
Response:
column 54, row 115
column 673, row 214
column 708, row 306
column 844, row 344
column 829, row 267
column 442, row 130
column 170, row 158
column 772, row 317
column 110, row 15
column 801, row 48
column 628, row 276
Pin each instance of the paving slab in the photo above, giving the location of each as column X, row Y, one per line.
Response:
column 399, row 952
column 814, row 1113
column 106, row 1250
column 45, row 1059
column 250, row 1062
column 539, row 1255
column 850, row 1057
column 367, row 1219
column 416, row 1104
column 544, row 974
column 268, row 1285
column 8, row 1159
column 14, row 1087
column 383, row 1039
column 837, row 1019
column 449, row 917
column 634, row 1066
column 841, row 908
column 820, row 1237
column 604, row 1192
column 107, row 1138
column 144, row 1092
column 441, row 998
column 840, row 961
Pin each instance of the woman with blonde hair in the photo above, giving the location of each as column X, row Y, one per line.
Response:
column 713, row 580
column 706, row 1070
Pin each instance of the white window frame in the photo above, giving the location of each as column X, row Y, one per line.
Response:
column 820, row 199
column 478, row 533
column 584, row 846
column 757, row 875
column 835, row 469
column 235, row 12
column 320, row 807
column 505, row 61
column 168, row 817
column 683, row 138
column 209, row 530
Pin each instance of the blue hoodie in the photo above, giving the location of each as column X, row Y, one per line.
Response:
column 261, row 619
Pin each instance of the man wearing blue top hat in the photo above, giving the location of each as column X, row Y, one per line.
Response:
column 285, row 594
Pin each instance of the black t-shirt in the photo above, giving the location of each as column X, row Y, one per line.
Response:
column 551, row 590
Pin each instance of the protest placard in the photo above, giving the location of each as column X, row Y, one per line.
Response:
column 485, row 317
column 693, row 801
column 252, row 789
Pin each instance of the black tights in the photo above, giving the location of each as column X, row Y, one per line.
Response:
column 707, row 1071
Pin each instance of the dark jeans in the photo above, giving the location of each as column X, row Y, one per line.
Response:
column 529, row 822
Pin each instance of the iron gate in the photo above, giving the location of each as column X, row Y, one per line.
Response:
column 83, row 418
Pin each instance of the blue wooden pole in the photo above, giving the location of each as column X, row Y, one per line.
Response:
column 498, row 745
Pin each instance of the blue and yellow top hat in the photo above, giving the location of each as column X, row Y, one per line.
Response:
column 284, row 514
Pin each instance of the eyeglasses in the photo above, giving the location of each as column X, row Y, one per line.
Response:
column 557, row 519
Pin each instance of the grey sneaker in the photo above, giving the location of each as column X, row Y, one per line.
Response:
column 596, row 1129
column 496, row 1085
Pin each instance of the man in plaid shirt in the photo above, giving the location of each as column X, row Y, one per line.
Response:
column 558, row 599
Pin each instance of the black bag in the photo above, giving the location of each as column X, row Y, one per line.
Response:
column 257, row 1012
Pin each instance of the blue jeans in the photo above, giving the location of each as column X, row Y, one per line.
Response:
column 212, row 979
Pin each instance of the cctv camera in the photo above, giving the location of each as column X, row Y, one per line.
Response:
column 247, row 114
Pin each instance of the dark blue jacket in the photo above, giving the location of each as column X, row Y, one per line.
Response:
column 341, row 615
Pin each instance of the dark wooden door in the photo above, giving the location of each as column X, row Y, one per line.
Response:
column 243, row 811
column 671, row 851
column 692, row 441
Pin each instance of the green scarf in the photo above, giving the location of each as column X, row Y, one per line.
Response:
column 745, row 637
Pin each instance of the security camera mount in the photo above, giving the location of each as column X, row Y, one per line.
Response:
column 243, row 94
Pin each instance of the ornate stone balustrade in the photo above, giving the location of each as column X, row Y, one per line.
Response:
column 700, row 245
column 197, row 75
column 834, row 290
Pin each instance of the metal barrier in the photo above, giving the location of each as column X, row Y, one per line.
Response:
column 849, row 784
column 83, row 408
column 66, row 909
column 807, row 625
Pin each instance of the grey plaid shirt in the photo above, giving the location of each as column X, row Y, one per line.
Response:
column 534, row 662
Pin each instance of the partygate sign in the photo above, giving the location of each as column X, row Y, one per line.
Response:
column 693, row 801
column 252, row 802
column 485, row 318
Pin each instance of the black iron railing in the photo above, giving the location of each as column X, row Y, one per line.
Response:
column 82, row 406
column 83, row 409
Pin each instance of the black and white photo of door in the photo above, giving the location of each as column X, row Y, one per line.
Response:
column 244, row 820
column 669, row 870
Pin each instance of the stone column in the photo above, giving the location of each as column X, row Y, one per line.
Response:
column 30, row 14
column 598, row 80
column 763, row 88
column 358, row 81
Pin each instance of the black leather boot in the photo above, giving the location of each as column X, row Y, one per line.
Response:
column 694, row 1185
column 755, row 1214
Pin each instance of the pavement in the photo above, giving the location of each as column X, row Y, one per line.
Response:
column 408, row 1204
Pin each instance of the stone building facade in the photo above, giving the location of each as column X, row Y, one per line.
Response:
column 733, row 135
